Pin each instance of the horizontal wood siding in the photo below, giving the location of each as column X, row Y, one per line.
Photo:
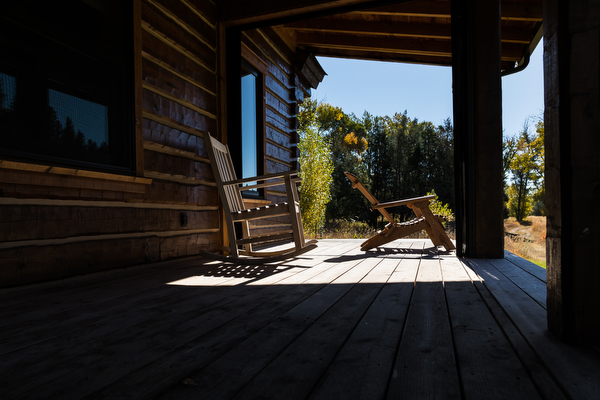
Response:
column 280, row 102
column 54, row 226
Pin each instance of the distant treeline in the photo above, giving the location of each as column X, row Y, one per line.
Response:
column 395, row 157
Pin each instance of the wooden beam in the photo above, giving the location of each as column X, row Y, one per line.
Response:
column 393, row 45
column 522, row 12
column 134, row 203
column 171, row 123
column 92, row 238
column 441, row 9
column 161, row 148
column 47, row 176
column 71, row 172
column 386, row 56
column 243, row 12
column 377, row 26
column 181, row 179
column 571, row 119
column 477, row 98
column 428, row 8
column 401, row 45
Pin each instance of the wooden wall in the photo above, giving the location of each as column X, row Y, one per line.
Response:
column 59, row 222
column 280, row 101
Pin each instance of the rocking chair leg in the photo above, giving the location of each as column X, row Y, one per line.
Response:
column 246, row 234
column 294, row 217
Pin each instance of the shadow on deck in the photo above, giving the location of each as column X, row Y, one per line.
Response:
column 407, row 322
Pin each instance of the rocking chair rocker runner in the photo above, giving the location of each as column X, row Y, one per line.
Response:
column 395, row 230
column 230, row 189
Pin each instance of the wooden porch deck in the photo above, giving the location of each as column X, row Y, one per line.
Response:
column 411, row 322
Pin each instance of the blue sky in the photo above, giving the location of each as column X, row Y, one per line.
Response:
column 425, row 92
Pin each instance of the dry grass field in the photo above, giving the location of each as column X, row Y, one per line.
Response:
column 527, row 239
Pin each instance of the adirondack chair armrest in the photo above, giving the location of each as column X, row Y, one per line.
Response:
column 402, row 202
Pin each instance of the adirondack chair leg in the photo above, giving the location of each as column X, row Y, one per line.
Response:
column 418, row 209
column 435, row 229
column 390, row 234
column 426, row 220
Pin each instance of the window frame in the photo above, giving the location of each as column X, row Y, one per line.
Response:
column 251, row 62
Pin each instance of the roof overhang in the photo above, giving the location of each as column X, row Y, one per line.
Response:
column 417, row 31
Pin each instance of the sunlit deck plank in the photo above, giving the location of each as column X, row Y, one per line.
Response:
column 273, row 348
column 180, row 363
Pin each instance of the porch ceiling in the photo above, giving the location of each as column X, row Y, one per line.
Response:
column 407, row 31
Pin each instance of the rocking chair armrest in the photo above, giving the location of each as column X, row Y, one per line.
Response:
column 261, row 178
column 277, row 182
column 402, row 202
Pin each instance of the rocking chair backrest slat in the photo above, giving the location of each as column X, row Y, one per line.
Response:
column 226, row 173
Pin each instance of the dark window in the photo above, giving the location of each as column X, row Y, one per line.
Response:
column 66, row 95
column 252, row 129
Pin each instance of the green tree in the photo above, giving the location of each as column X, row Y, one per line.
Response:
column 509, row 148
column 316, row 168
column 539, row 195
column 394, row 157
column 526, row 170
column 437, row 207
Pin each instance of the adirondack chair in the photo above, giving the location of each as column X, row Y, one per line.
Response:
column 425, row 219
column 241, row 250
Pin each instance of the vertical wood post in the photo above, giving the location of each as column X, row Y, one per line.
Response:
column 477, row 97
column 572, row 142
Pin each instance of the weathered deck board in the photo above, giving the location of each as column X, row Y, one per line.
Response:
column 425, row 366
column 489, row 368
column 404, row 322
column 526, row 282
column 175, row 367
column 539, row 374
column 526, row 265
column 363, row 364
column 576, row 369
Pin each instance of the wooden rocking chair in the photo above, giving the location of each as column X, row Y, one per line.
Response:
column 230, row 189
column 395, row 230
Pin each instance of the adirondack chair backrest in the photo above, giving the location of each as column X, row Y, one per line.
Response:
column 224, row 172
column 357, row 184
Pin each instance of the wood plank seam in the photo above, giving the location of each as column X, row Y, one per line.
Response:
column 179, row 48
column 113, row 236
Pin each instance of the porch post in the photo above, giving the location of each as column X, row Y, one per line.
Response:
column 572, row 142
column 477, row 97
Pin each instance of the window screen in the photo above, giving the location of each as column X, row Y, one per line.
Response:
column 66, row 93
